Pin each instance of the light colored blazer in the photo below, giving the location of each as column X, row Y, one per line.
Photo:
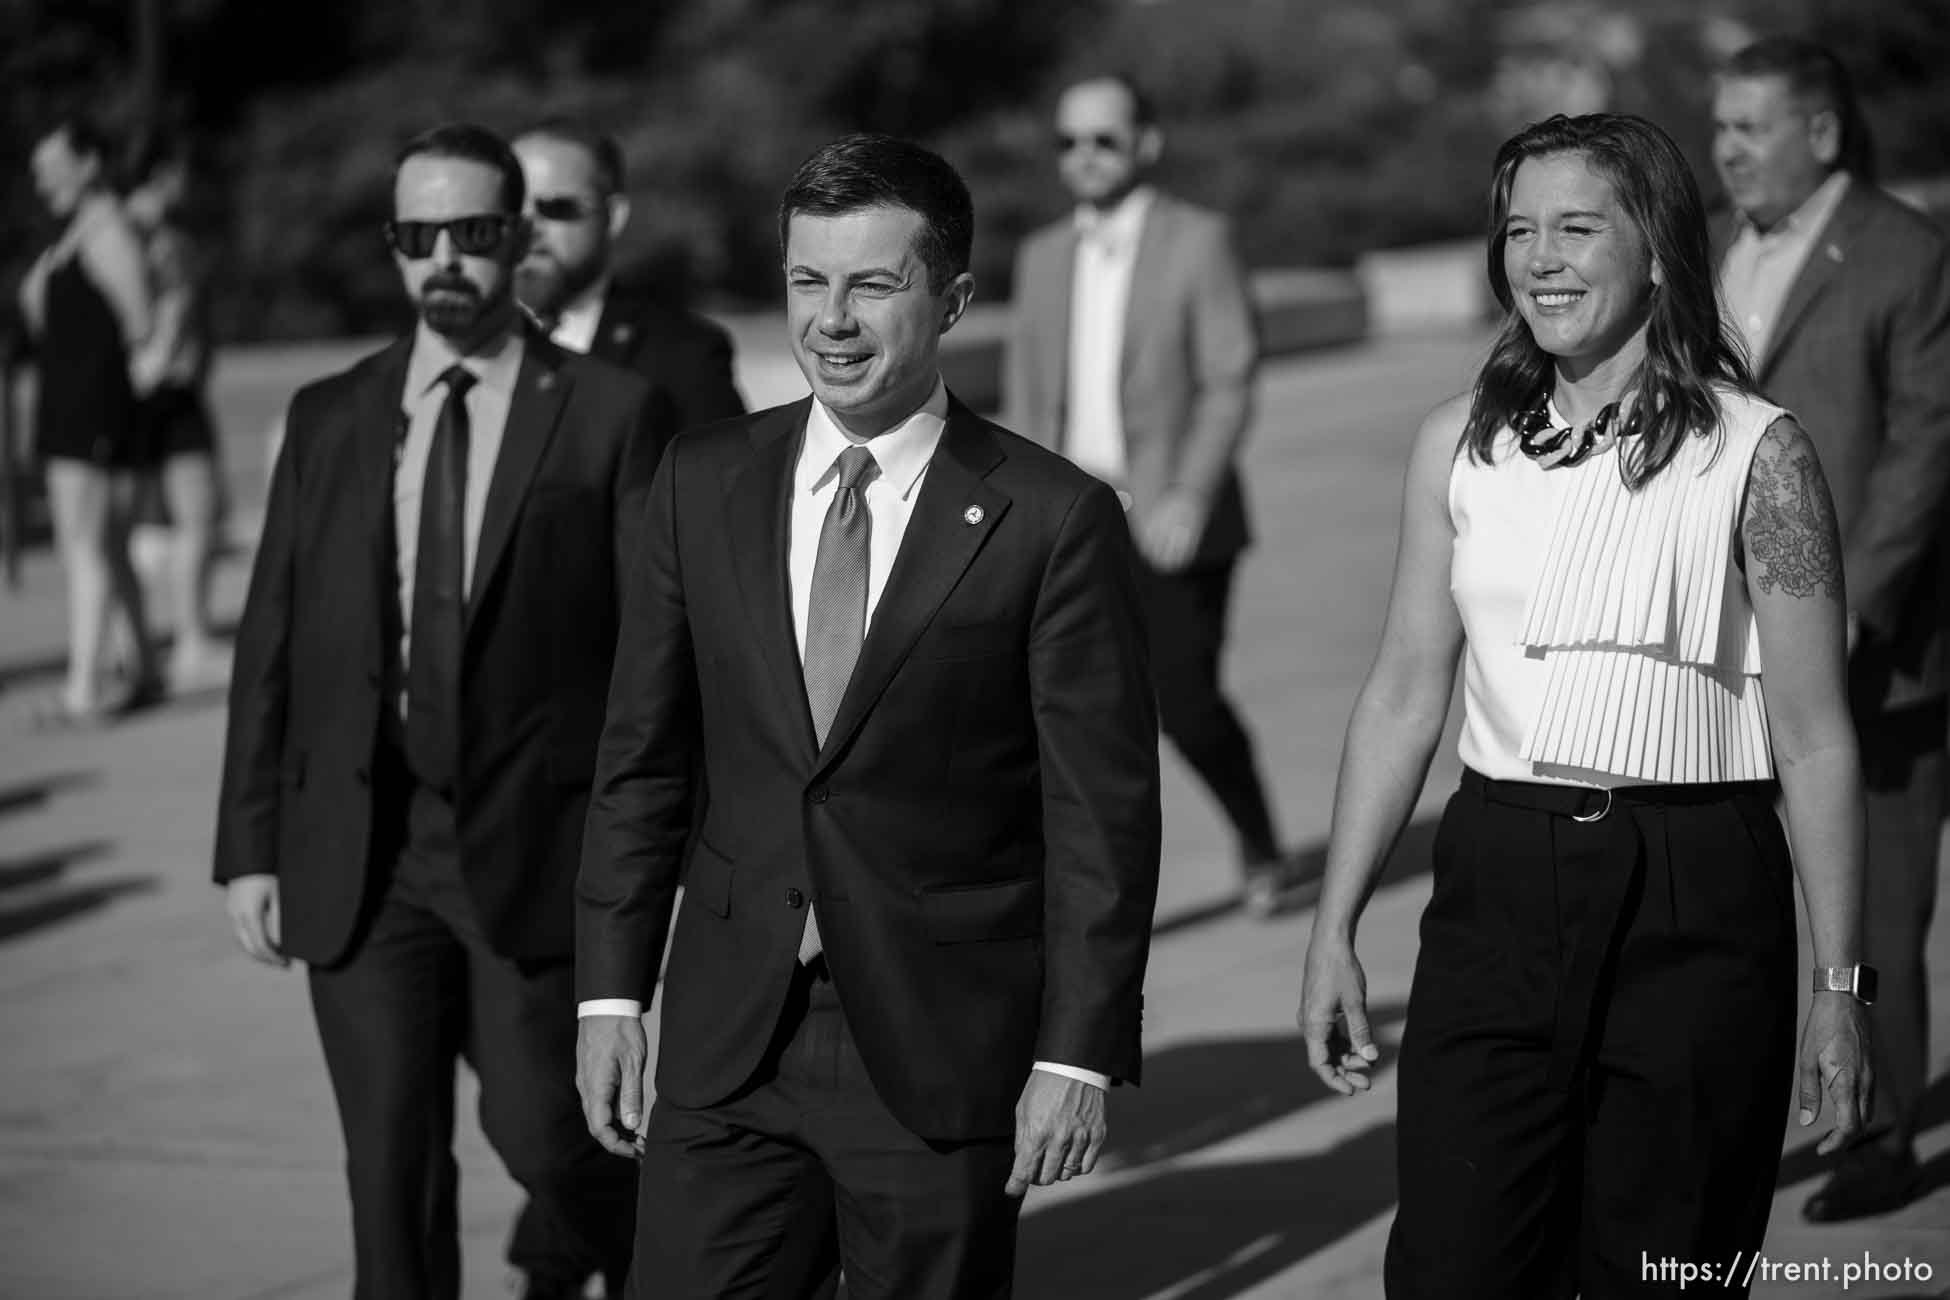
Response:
column 1190, row 349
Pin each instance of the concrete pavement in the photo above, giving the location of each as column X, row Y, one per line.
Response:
column 166, row 1129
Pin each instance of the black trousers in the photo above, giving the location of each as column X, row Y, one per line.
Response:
column 722, row 1208
column 1599, row 1053
column 1903, row 768
column 421, row 989
column 1185, row 614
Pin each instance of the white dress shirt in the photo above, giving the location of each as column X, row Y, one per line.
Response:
column 1100, row 292
column 1759, row 269
column 575, row 328
column 902, row 453
column 495, row 369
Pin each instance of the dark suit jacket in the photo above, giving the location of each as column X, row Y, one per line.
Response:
column 980, row 831
column 682, row 353
column 1861, row 356
column 1190, row 351
column 307, row 688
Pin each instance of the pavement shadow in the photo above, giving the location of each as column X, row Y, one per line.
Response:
column 1412, row 857
column 33, row 898
column 1207, row 1231
column 25, row 796
column 1199, row 1094
column 1932, row 1110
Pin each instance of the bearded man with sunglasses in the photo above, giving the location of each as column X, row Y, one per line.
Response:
column 577, row 209
column 419, row 686
column 1133, row 353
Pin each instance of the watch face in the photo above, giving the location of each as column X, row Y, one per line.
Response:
column 1865, row 983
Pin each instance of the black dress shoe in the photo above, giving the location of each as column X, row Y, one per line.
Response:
column 1868, row 1180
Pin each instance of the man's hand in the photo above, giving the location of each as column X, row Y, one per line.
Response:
column 1168, row 533
column 1060, row 1130
column 1334, row 990
column 252, row 902
column 1835, row 1061
column 611, row 1052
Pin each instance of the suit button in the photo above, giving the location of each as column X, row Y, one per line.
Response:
column 363, row 776
column 372, row 678
column 794, row 899
column 818, row 794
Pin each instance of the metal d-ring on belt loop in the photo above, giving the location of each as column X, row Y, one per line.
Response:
column 1588, row 818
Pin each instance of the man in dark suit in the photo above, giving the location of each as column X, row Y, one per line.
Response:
column 1843, row 295
column 1133, row 353
column 907, row 645
column 414, row 712
column 577, row 208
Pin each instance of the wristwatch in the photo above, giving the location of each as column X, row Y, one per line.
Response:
column 1858, row 981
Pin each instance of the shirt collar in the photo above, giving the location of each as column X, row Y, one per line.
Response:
column 1810, row 217
column 901, row 453
column 577, row 322
column 494, row 366
column 1117, row 229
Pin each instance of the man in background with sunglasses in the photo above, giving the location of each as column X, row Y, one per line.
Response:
column 419, row 687
column 1133, row 353
column 577, row 210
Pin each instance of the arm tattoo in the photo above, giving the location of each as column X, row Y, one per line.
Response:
column 1790, row 526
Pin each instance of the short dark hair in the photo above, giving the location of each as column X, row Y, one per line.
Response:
column 878, row 171
column 586, row 136
column 1144, row 109
column 1690, row 350
column 1819, row 81
column 475, row 144
column 86, row 137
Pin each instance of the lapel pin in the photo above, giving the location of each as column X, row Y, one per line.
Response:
column 546, row 380
column 972, row 516
column 621, row 334
column 1834, row 252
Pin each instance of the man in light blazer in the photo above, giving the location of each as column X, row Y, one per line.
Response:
column 414, row 709
column 1843, row 295
column 1133, row 353
column 905, row 644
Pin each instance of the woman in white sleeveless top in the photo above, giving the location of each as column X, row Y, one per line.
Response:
column 1635, row 559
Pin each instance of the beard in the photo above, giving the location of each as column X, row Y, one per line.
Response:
column 453, row 304
column 545, row 284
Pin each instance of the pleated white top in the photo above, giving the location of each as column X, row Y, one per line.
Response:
column 1609, row 636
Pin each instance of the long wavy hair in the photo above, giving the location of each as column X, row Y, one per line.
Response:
column 1688, row 346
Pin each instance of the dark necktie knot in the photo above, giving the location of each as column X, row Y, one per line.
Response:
column 458, row 380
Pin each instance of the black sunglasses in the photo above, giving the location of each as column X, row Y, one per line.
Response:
column 1101, row 140
column 562, row 207
column 477, row 236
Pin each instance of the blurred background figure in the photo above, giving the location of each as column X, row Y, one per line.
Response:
column 88, row 309
column 1133, row 353
column 1842, row 295
column 172, row 369
column 578, row 210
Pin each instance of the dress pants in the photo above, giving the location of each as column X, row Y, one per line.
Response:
column 1185, row 615
column 1903, row 768
column 1599, row 1053
column 721, row 1201
column 421, row 989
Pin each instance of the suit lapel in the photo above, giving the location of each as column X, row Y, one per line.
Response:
column 379, row 429
column 758, row 507
column 540, row 390
column 1146, row 302
column 614, row 332
column 1826, row 259
column 954, row 515
column 1053, row 284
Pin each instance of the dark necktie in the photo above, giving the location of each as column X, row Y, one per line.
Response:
column 836, row 618
column 439, row 595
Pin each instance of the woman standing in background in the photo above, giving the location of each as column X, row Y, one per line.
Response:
column 87, row 306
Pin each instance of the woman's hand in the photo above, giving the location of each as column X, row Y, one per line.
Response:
column 1835, row 1062
column 1334, row 1016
